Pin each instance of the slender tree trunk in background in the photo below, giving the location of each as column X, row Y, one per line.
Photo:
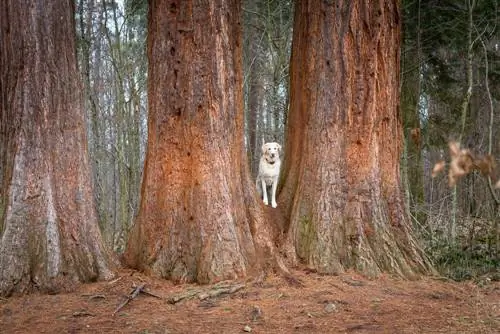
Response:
column 410, row 105
column 491, row 110
column 114, row 71
column 90, row 70
column 255, row 82
column 452, row 230
column 256, row 92
column 199, row 219
column 341, row 174
column 49, row 231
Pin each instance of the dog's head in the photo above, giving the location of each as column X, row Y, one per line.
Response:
column 271, row 151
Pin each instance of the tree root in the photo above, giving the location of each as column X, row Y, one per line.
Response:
column 286, row 274
column 212, row 292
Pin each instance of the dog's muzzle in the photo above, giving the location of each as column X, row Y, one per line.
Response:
column 272, row 160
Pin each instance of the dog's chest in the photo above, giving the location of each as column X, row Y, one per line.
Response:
column 269, row 171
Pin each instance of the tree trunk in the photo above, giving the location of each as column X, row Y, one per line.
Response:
column 341, row 175
column 49, row 232
column 413, row 170
column 199, row 219
column 255, row 100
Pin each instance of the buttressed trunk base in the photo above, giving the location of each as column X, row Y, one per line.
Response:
column 199, row 219
column 341, row 173
column 50, row 238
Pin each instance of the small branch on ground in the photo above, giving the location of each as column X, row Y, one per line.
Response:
column 115, row 280
column 134, row 294
column 212, row 292
column 185, row 295
column 151, row 294
column 215, row 292
column 138, row 290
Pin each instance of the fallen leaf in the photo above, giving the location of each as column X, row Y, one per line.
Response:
column 438, row 168
column 454, row 148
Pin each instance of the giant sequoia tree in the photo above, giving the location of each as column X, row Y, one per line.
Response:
column 342, row 186
column 199, row 219
column 48, row 227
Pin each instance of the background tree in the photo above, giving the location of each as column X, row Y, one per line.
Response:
column 111, row 46
column 454, row 71
column 266, row 53
column 199, row 219
column 411, row 92
column 342, row 179
column 254, row 62
column 49, row 231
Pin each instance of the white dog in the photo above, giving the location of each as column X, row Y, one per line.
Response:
column 269, row 171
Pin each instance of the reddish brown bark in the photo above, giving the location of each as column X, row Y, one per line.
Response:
column 342, row 188
column 49, row 231
column 199, row 218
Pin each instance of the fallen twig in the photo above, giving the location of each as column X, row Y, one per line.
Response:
column 134, row 294
column 214, row 291
column 217, row 291
column 115, row 280
column 151, row 294
column 185, row 295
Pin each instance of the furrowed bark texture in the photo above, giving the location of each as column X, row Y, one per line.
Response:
column 49, row 231
column 199, row 218
column 341, row 173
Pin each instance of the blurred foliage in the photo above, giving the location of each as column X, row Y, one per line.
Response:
column 434, row 52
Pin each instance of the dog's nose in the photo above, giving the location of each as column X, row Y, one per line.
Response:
column 272, row 155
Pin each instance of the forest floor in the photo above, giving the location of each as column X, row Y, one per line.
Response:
column 324, row 304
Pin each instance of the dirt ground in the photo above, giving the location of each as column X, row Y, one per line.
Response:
column 324, row 304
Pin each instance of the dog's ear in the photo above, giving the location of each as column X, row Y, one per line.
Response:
column 263, row 148
column 279, row 147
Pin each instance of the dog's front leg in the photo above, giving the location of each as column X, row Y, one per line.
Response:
column 264, row 191
column 273, row 193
